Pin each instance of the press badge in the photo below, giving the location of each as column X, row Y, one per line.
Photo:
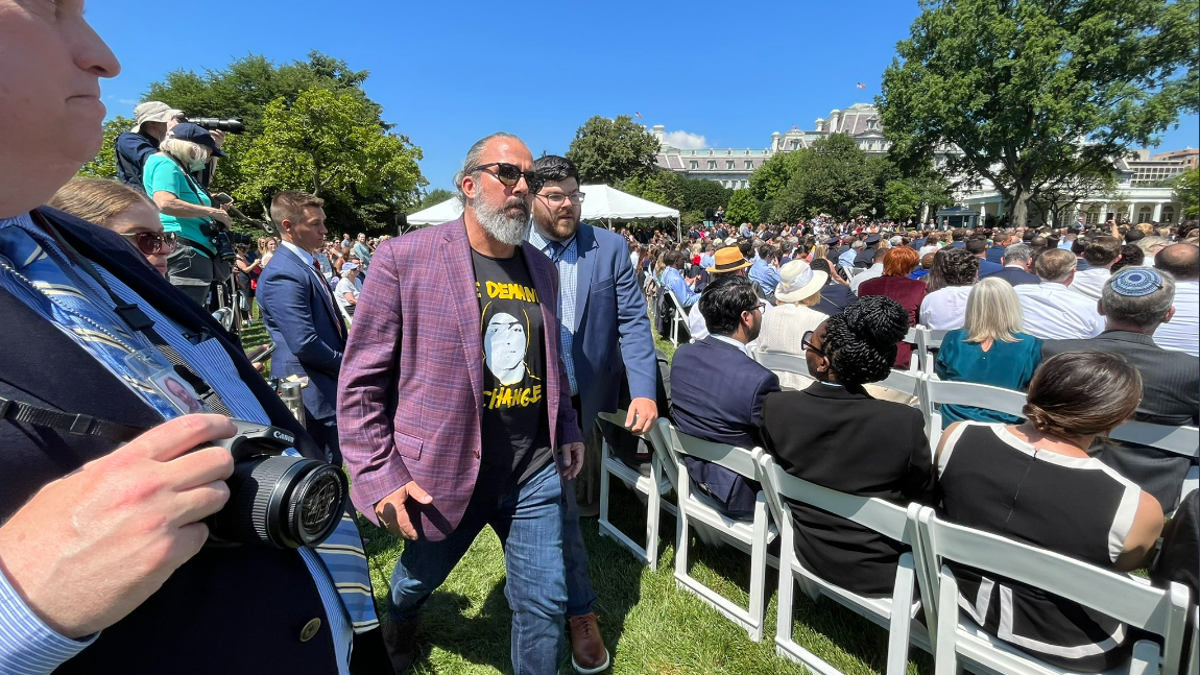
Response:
column 161, row 378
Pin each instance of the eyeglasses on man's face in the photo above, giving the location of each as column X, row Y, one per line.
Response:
column 510, row 174
column 757, row 307
column 153, row 243
column 557, row 198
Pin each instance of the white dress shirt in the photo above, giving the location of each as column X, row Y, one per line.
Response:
column 946, row 308
column 698, row 327
column 1054, row 312
column 1182, row 332
column 873, row 272
column 1090, row 282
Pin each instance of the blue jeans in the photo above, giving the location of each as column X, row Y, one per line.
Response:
column 580, row 595
column 528, row 520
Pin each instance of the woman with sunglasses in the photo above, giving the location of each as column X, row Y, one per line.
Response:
column 121, row 209
column 836, row 435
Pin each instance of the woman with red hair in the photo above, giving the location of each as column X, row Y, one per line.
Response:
column 895, row 284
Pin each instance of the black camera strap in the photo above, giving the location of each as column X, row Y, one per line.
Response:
column 81, row 425
column 135, row 318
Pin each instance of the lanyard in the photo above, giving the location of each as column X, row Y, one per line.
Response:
column 135, row 318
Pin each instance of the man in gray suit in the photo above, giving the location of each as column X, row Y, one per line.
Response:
column 1134, row 302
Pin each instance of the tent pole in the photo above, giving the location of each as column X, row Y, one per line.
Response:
column 678, row 230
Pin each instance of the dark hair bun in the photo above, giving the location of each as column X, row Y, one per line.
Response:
column 878, row 320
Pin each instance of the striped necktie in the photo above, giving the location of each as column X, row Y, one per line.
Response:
column 52, row 286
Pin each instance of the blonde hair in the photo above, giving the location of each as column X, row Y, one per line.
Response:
column 183, row 151
column 819, row 251
column 993, row 312
column 812, row 300
column 96, row 200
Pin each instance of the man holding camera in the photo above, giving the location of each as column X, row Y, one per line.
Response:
column 104, row 565
column 300, row 313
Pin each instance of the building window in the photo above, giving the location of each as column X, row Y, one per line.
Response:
column 1145, row 214
column 712, row 165
column 1168, row 213
column 729, row 165
column 1093, row 215
column 795, row 145
column 694, row 165
column 749, row 165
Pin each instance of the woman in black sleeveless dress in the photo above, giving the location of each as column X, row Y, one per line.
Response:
column 1035, row 483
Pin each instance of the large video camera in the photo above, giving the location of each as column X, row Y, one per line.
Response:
column 275, row 500
column 233, row 125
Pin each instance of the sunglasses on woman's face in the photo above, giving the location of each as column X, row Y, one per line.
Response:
column 153, row 243
column 510, row 174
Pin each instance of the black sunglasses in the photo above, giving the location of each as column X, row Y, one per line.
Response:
column 153, row 243
column 510, row 174
column 807, row 345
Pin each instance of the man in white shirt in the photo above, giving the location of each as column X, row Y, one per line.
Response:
column 1100, row 253
column 1182, row 332
column 873, row 272
column 1052, row 310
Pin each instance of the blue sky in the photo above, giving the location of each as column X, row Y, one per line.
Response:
column 448, row 73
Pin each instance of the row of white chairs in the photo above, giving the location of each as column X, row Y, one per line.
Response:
column 922, row 578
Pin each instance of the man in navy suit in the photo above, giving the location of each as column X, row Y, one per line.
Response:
column 605, row 335
column 301, row 315
column 717, row 390
column 1016, row 265
column 978, row 246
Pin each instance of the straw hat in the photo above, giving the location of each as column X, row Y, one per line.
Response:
column 728, row 259
column 798, row 281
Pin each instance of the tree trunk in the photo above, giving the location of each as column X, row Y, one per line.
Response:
column 1019, row 209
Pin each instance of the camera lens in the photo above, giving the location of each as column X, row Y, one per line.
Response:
column 282, row 502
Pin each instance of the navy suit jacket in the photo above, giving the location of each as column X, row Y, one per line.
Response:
column 834, row 298
column 251, row 601
column 995, row 253
column 306, row 328
column 612, row 331
column 717, row 395
column 987, row 268
column 1016, row 276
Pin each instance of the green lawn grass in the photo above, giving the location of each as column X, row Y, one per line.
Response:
column 649, row 625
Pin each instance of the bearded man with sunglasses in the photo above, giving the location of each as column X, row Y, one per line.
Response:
column 454, row 407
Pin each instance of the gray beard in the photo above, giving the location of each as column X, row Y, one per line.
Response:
column 506, row 230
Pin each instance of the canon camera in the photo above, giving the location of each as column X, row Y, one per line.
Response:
column 276, row 500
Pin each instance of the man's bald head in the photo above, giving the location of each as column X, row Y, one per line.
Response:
column 1181, row 260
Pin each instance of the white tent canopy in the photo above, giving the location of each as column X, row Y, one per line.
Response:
column 603, row 203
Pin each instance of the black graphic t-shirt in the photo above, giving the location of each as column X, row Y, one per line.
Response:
column 515, row 419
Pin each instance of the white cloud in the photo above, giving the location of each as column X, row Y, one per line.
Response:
column 685, row 141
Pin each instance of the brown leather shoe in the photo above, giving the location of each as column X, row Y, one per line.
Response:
column 588, row 654
column 401, row 645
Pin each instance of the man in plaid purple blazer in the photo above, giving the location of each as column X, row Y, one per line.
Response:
column 454, row 409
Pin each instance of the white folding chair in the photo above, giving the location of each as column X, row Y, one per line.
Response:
column 657, row 484
column 962, row 643
column 782, row 363
column 750, row 537
column 678, row 318
column 928, row 342
column 940, row 392
column 1179, row 440
column 1193, row 665
column 894, row 614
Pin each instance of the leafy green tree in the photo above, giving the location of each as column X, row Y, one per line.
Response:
column 433, row 198
column 327, row 142
column 609, row 151
column 743, row 208
column 773, row 175
column 105, row 163
column 905, row 198
column 1187, row 191
column 698, row 194
column 1036, row 90
column 832, row 176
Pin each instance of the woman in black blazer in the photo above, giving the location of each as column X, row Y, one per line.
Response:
column 834, row 434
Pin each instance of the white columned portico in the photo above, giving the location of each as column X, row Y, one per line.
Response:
column 1157, row 212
